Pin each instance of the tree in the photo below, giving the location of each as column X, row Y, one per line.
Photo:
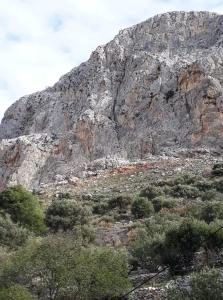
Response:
column 23, row 207
column 61, row 268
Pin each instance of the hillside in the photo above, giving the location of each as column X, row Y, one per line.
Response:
column 155, row 89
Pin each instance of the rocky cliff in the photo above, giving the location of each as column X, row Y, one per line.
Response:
column 156, row 87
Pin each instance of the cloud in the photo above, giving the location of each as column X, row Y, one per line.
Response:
column 41, row 40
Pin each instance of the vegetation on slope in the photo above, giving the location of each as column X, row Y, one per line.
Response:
column 52, row 253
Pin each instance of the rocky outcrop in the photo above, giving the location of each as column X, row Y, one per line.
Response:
column 154, row 88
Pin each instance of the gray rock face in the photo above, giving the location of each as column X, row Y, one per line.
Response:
column 156, row 86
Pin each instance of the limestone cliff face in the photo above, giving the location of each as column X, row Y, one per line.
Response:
column 157, row 86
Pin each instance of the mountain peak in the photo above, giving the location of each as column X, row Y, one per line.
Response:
column 155, row 88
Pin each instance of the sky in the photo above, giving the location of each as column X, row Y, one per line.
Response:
column 40, row 40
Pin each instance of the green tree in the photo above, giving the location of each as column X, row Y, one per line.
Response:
column 23, row 207
column 61, row 268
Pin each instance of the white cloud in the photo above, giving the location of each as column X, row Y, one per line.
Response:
column 41, row 40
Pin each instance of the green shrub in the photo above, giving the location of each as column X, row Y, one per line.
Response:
column 84, row 232
column 151, row 192
column 211, row 195
column 215, row 238
column 207, row 284
column 121, row 202
column 212, row 211
column 217, row 170
column 218, row 184
column 101, row 208
column 65, row 214
column 23, row 207
column 15, row 292
column 63, row 196
column 185, row 191
column 162, row 202
column 181, row 243
column 141, row 208
column 11, row 235
column 207, row 212
column 203, row 185
column 60, row 265
column 144, row 251
column 185, row 179
column 162, row 222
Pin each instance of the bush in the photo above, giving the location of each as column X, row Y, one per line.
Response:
column 144, row 251
column 211, row 195
column 218, row 184
column 15, row 292
column 101, row 208
column 217, row 170
column 185, row 179
column 60, row 265
column 203, row 185
column 121, row 202
column 181, row 243
column 207, row 212
column 212, row 211
column 151, row 192
column 162, row 202
column 207, row 284
column 11, row 235
column 23, row 207
column 215, row 238
column 185, row 191
column 84, row 232
column 162, row 223
column 141, row 208
column 65, row 214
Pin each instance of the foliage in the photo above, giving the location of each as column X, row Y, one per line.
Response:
column 207, row 212
column 163, row 202
column 211, row 195
column 218, row 184
column 185, row 191
column 101, row 208
column 23, row 207
column 11, row 235
column 217, row 170
column 144, row 251
column 162, row 223
column 207, row 284
column 151, row 192
column 121, row 202
column 141, row 208
column 67, row 270
column 15, row 292
column 65, row 214
column 185, row 179
column 181, row 243
column 84, row 232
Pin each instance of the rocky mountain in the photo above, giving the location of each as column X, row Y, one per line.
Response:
column 155, row 88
